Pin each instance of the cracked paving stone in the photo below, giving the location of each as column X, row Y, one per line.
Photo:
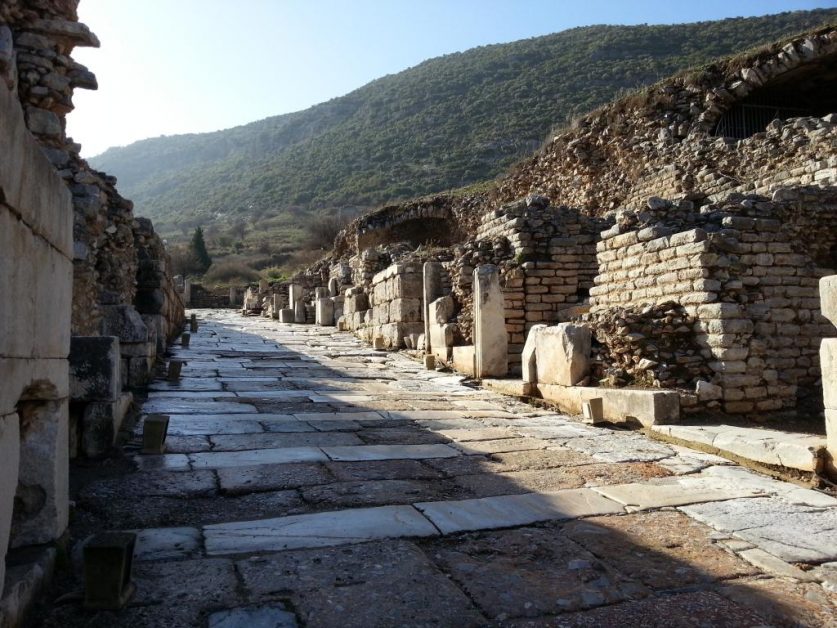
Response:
column 529, row 572
column 390, row 452
column 221, row 459
column 240, row 442
column 620, row 447
column 553, row 479
column 785, row 601
column 379, row 492
column 502, row 445
column 399, row 436
column 152, row 483
column 341, row 527
column 794, row 534
column 382, row 470
column 698, row 609
column 379, row 584
column 196, row 425
column 663, row 550
column 186, row 444
column 271, row 477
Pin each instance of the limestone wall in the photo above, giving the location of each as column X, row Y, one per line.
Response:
column 396, row 305
column 660, row 141
column 747, row 282
column 36, row 250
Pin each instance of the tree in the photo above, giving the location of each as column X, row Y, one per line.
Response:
column 197, row 252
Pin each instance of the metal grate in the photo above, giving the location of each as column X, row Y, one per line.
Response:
column 746, row 119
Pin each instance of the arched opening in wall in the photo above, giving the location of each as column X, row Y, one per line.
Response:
column 809, row 90
column 35, row 514
column 423, row 231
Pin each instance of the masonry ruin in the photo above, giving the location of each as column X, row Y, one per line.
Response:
column 686, row 226
column 89, row 303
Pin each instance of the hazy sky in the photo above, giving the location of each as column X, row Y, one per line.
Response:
column 181, row 66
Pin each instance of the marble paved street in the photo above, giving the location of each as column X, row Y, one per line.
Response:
column 311, row 481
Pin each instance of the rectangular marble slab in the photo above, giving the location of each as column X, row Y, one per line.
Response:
column 218, row 460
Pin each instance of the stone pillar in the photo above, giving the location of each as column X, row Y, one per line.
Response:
column 320, row 293
column 432, row 290
column 299, row 311
column 263, row 285
column 828, row 364
column 233, row 296
column 277, row 304
column 187, row 292
column 325, row 312
column 333, row 287
column 491, row 344
column 294, row 295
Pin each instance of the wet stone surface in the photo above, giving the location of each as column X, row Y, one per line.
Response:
column 310, row 481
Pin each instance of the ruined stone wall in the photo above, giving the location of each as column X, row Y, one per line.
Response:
column 659, row 142
column 395, row 307
column 36, row 283
column 36, row 40
column 746, row 277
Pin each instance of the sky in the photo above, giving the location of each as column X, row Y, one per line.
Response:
column 168, row 67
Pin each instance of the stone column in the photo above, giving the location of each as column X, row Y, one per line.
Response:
column 233, row 295
column 320, row 293
column 277, row 304
column 333, row 287
column 294, row 295
column 828, row 364
column 187, row 292
column 325, row 311
column 432, row 291
column 299, row 311
column 491, row 344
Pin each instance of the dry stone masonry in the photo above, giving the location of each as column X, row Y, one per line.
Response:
column 82, row 278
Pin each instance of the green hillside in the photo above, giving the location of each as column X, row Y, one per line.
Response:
column 445, row 123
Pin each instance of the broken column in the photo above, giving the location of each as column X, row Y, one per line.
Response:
column 528, row 358
column 828, row 364
column 299, row 311
column 490, row 337
column 294, row 295
column 333, row 287
column 440, row 312
column 432, row 290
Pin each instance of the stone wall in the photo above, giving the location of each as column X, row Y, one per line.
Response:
column 660, row 141
column 746, row 278
column 36, row 251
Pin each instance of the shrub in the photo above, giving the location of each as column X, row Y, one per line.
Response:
column 229, row 273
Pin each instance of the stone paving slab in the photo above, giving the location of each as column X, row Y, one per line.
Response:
column 218, row 460
column 174, row 406
column 390, row 452
column 384, row 584
column 240, row 442
column 514, row 510
column 316, row 530
column 677, row 493
column 188, row 425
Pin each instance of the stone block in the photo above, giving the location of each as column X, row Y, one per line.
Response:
column 432, row 289
column 44, row 460
column 528, row 359
column 124, row 322
column 828, row 298
column 490, row 337
column 94, row 368
column 407, row 286
column 333, row 287
column 441, row 340
column 648, row 407
column 441, row 310
column 299, row 312
column 463, row 360
column 9, row 463
column 325, row 312
column 100, row 425
column 828, row 365
column 405, row 310
column 286, row 315
column 562, row 354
